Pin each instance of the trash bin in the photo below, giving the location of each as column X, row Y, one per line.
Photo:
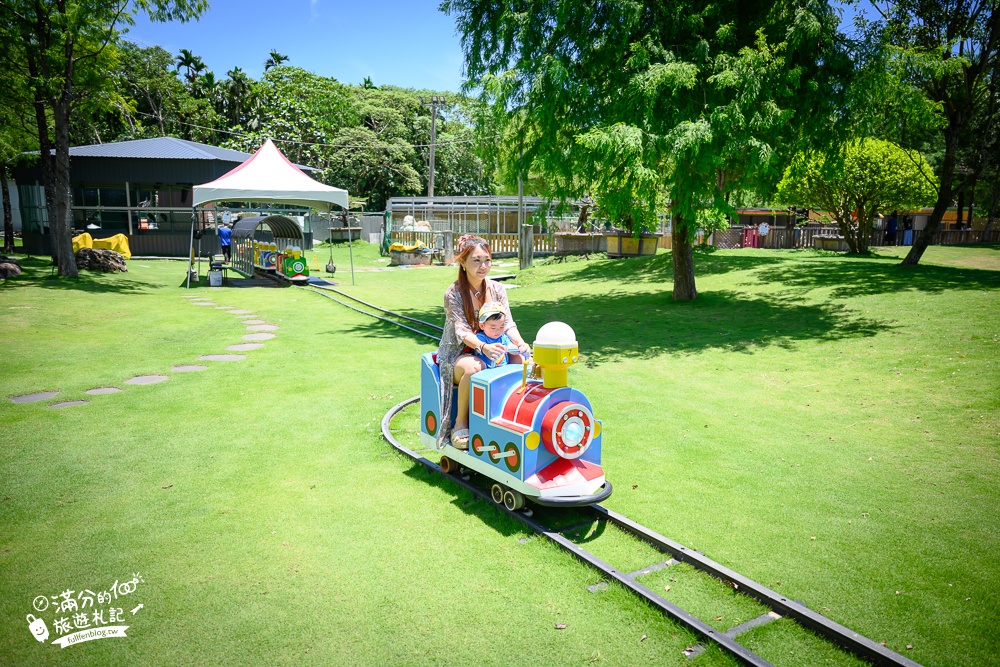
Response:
column 215, row 278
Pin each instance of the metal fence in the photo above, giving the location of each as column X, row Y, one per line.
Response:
column 502, row 245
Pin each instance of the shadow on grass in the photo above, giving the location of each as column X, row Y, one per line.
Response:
column 658, row 268
column 37, row 272
column 647, row 324
column 583, row 525
column 465, row 501
column 866, row 276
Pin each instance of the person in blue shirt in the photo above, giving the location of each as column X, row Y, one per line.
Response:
column 492, row 321
column 226, row 240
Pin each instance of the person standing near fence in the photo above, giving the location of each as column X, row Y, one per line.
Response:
column 225, row 240
column 890, row 228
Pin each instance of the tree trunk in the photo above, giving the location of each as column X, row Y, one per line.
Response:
column 8, row 216
column 683, row 256
column 945, row 176
column 848, row 232
column 972, row 208
column 62, row 226
column 960, row 211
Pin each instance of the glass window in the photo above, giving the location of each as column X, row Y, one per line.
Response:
column 113, row 197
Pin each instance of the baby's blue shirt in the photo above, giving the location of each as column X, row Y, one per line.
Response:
column 502, row 361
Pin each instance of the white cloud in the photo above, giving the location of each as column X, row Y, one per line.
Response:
column 313, row 9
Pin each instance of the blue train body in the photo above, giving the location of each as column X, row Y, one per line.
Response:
column 541, row 442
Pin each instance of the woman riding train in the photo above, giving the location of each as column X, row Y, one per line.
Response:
column 462, row 302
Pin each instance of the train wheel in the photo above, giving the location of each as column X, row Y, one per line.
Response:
column 448, row 466
column 513, row 500
column 497, row 493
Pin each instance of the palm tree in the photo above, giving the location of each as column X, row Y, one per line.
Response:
column 275, row 60
column 186, row 60
column 206, row 86
column 239, row 98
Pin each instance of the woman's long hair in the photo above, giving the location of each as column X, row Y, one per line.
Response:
column 466, row 245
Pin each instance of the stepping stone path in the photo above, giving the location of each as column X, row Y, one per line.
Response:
column 247, row 316
column 32, row 398
column 147, row 379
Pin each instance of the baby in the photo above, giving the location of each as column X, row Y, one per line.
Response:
column 492, row 322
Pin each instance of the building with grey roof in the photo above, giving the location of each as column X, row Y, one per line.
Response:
column 140, row 188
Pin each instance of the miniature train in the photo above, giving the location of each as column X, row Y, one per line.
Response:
column 536, row 439
column 289, row 263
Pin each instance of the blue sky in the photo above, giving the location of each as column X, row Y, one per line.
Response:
column 406, row 43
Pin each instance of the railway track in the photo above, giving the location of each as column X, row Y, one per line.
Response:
column 779, row 606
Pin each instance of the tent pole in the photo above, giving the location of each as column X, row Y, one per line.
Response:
column 191, row 250
column 350, row 245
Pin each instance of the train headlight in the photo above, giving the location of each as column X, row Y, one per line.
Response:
column 573, row 432
column 568, row 430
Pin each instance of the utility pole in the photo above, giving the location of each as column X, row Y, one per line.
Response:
column 435, row 102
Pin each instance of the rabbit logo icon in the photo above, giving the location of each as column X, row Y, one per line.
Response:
column 38, row 628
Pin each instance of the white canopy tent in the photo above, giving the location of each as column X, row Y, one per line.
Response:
column 268, row 176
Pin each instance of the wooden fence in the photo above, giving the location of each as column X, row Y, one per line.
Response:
column 505, row 245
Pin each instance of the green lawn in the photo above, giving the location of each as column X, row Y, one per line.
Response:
column 824, row 425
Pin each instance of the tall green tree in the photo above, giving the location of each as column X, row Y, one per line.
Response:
column 949, row 52
column 853, row 185
column 636, row 98
column 59, row 46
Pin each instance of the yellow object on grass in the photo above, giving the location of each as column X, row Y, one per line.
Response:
column 399, row 247
column 84, row 240
column 118, row 243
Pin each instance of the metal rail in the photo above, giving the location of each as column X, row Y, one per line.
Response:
column 841, row 635
column 314, row 290
column 440, row 329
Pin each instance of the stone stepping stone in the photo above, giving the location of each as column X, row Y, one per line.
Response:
column 203, row 303
column 224, row 307
column 245, row 347
column 241, row 312
column 254, row 321
column 68, row 404
column 147, row 379
column 188, row 369
column 32, row 398
column 222, row 357
column 263, row 327
column 258, row 336
column 102, row 390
